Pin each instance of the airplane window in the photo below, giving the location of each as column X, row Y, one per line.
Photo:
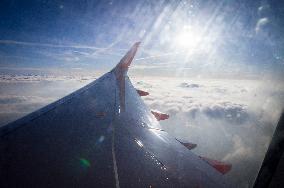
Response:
column 209, row 73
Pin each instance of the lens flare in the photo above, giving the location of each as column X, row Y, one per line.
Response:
column 85, row 163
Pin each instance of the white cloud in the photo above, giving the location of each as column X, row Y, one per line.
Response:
column 12, row 78
column 23, row 43
column 64, row 52
column 239, row 150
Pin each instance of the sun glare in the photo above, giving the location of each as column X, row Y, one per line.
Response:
column 188, row 38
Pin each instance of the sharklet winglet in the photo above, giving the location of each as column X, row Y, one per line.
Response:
column 124, row 63
column 120, row 72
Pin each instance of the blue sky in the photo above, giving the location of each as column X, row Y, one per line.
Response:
column 177, row 37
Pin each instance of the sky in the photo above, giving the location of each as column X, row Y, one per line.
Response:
column 234, row 37
column 216, row 67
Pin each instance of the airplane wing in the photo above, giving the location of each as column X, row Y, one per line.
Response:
column 102, row 135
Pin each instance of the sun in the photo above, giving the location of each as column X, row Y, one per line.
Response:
column 188, row 38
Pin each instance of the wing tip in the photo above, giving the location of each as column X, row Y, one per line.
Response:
column 125, row 62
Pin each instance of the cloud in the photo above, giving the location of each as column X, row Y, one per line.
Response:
column 187, row 85
column 63, row 52
column 34, row 44
column 239, row 150
column 21, row 104
column 23, row 94
column 16, row 106
column 12, row 78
